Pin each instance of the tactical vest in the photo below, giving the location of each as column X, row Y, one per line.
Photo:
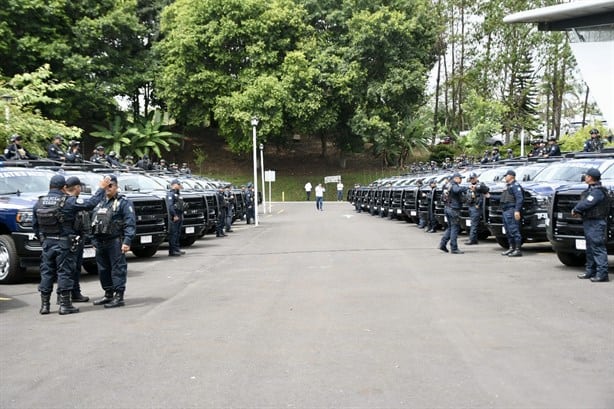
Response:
column 601, row 209
column 103, row 223
column 49, row 214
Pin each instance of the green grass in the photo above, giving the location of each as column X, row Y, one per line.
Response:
column 291, row 187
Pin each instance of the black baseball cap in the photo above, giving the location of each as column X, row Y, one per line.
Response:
column 57, row 182
column 72, row 181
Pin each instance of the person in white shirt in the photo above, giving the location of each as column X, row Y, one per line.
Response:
column 319, row 196
column 308, row 190
column 339, row 191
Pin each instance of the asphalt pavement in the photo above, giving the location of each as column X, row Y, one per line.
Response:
column 328, row 309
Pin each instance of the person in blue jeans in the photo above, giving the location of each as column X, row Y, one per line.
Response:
column 452, row 197
column 594, row 207
column 319, row 196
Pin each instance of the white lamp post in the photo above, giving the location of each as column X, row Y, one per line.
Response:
column 254, row 123
column 7, row 112
column 262, row 178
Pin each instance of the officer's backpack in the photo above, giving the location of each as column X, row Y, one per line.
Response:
column 49, row 214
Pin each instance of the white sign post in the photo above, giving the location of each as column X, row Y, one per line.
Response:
column 269, row 176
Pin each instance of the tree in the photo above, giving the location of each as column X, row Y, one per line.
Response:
column 28, row 91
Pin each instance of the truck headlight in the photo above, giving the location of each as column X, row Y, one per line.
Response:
column 542, row 202
column 24, row 218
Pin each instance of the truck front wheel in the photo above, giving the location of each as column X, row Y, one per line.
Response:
column 9, row 261
column 572, row 259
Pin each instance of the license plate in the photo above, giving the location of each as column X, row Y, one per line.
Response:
column 189, row 230
column 468, row 222
column 580, row 244
column 89, row 252
column 145, row 239
column 503, row 230
column 412, row 212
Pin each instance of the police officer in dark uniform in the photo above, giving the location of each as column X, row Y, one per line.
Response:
column 594, row 143
column 496, row 156
column 249, row 203
column 113, row 229
column 475, row 201
column 431, row 221
column 54, row 223
column 176, row 207
column 113, row 160
column 221, row 215
column 511, row 203
column 83, row 228
column 230, row 207
column 74, row 154
column 15, row 151
column 553, row 148
column 54, row 150
column 452, row 197
column 99, row 155
column 594, row 207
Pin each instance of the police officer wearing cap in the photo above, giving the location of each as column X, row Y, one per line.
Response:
column 594, row 207
column 15, row 151
column 511, row 204
column 53, row 222
column 594, row 143
column 113, row 229
column 221, row 214
column 453, row 199
column 176, row 207
column 553, row 148
column 74, row 153
column 249, row 203
column 99, row 155
column 229, row 200
column 475, row 195
column 54, row 150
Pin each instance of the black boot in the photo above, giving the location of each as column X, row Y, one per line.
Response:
column 45, row 304
column 108, row 297
column 118, row 300
column 508, row 251
column 78, row 297
column 66, row 306
column 516, row 252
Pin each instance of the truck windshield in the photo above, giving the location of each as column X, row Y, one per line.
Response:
column 565, row 172
column 23, row 182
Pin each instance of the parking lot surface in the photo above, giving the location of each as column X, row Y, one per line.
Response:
column 328, row 309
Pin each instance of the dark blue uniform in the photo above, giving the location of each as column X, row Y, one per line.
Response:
column 475, row 203
column 594, row 207
column 114, row 224
column 249, row 205
column 175, row 205
column 511, row 202
column 221, row 215
column 452, row 212
column 55, row 152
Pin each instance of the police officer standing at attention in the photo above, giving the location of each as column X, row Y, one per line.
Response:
column 594, row 208
column 229, row 199
column 249, row 203
column 53, row 222
column 113, row 227
column 54, row 150
column 553, row 148
column 82, row 227
column 593, row 144
column 511, row 203
column 221, row 214
column 475, row 200
column 176, row 206
column 452, row 197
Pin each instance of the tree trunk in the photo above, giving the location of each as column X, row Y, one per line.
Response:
column 324, row 151
column 585, row 106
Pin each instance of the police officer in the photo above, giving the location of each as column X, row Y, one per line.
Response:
column 99, row 155
column 452, row 198
column 511, row 203
column 230, row 206
column 594, row 208
column 221, row 214
column 54, row 150
column 249, row 203
column 496, row 156
column 594, row 143
column 15, row 151
column 176, row 206
column 553, row 148
column 113, row 228
column 144, row 163
column 475, row 201
column 74, row 154
column 53, row 222
column 431, row 221
column 113, row 160
column 82, row 227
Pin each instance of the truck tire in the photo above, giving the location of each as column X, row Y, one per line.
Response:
column 502, row 241
column 571, row 259
column 91, row 267
column 10, row 272
column 144, row 252
column 187, row 241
